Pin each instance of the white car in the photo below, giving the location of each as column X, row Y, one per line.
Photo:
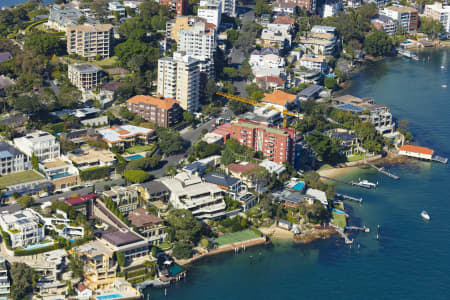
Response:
column 88, row 185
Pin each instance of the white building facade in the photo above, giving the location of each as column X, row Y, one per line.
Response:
column 41, row 143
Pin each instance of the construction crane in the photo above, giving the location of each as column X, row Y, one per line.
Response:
column 285, row 113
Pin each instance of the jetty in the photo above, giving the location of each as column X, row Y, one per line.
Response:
column 151, row 283
column 347, row 240
column 347, row 197
column 382, row 170
column 364, row 228
column 440, row 159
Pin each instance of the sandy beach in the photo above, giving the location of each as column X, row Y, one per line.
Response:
column 336, row 172
column 277, row 233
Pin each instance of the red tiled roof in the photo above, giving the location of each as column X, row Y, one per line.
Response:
column 274, row 79
column 417, row 149
column 160, row 102
column 80, row 199
column 284, row 20
column 279, row 97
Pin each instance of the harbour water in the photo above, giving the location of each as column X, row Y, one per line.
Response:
column 410, row 261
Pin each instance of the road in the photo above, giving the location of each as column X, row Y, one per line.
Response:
column 99, row 187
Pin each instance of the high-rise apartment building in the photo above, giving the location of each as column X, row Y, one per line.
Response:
column 199, row 41
column 407, row 17
column 276, row 144
column 211, row 11
column 90, row 40
column 179, row 78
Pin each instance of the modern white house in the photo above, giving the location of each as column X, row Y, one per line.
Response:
column 204, row 200
column 117, row 7
column 12, row 160
column 266, row 62
column 41, row 143
column 314, row 62
column 5, row 285
column 23, row 228
column 317, row 195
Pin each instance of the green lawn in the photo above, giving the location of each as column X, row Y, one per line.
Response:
column 20, row 177
column 142, row 148
column 357, row 157
column 108, row 62
column 338, row 220
column 236, row 237
column 325, row 167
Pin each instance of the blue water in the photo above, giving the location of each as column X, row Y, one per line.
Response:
column 14, row 2
column 133, row 157
column 410, row 261
column 337, row 211
column 60, row 175
column 299, row 186
column 38, row 246
column 111, row 296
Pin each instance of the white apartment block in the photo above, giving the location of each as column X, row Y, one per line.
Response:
column 12, row 160
column 204, row 200
column 179, row 78
column 23, row 228
column 41, row 143
column 314, row 62
column 440, row 13
column 330, row 9
column 85, row 76
column 211, row 11
column 229, row 7
column 90, row 40
column 407, row 17
column 118, row 8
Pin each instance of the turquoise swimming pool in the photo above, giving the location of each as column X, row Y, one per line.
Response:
column 37, row 246
column 133, row 157
column 340, row 212
column 299, row 186
column 60, row 175
column 110, row 296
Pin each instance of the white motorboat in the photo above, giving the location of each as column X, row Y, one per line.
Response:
column 367, row 184
column 444, row 86
column 425, row 215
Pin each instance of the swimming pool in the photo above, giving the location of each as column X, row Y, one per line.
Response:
column 60, row 175
column 340, row 212
column 299, row 186
column 133, row 157
column 110, row 296
column 37, row 246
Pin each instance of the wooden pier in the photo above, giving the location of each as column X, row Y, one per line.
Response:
column 383, row 171
column 339, row 231
column 364, row 228
column 347, row 197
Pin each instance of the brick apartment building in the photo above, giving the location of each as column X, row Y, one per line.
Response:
column 177, row 6
column 276, row 144
column 164, row 112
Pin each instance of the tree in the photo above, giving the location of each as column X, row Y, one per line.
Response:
column 34, row 162
column 247, row 36
column 209, row 91
column 68, row 96
column 169, row 141
column 188, row 117
column 44, row 44
column 430, row 27
column 246, row 71
column 145, row 163
column 76, row 264
column 182, row 251
column 378, row 43
column 186, row 228
column 331, row 83
column 120, row 257
column 205, row 243
column 261, row 8
column 25, row 201
column 23, row 278
column 227, row 157
column 232, row 36
column 137, row 176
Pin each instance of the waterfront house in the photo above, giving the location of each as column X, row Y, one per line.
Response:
column 284, row 224
column 313, row 195
column 347, row 142
column 99, row 266
column 148, row 225
column 204, row 200
column 416, row 152
column 127, row 242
